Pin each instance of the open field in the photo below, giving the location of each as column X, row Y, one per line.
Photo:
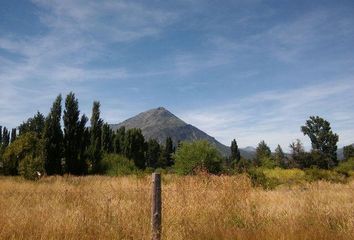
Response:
column 194, row 207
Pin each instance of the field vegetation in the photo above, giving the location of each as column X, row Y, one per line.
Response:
column 194, row 207
column 86, row 181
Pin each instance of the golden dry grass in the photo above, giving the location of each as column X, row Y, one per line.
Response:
column 194, row 207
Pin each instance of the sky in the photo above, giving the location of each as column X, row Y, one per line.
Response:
column 246, row 69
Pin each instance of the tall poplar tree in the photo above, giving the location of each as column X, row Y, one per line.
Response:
column 0, row 136
column 134, row 147
column 95, row 137
column 107, row 138
column 5, row 138
column 119, row 140
column 13, row 135
column 168, row 151
column 53, row 139
column 73, row 135
column 152, row 153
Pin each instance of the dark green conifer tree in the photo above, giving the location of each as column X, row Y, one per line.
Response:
column 279, row 157
column 235, row 153
column 262, row 152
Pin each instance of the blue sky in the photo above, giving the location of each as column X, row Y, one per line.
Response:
column 244, row 69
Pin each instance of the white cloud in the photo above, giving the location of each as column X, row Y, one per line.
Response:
column 276, row 116
column 59, row 60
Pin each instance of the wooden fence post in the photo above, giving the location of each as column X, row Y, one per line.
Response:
column 156, row 206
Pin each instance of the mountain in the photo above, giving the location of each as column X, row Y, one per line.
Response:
column 159, row 124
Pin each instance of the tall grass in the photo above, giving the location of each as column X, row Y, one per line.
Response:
column 194, row 207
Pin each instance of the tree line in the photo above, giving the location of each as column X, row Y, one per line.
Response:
column 323, row 154
column 42, row 144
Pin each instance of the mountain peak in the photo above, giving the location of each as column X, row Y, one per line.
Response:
column 159, row 123
column 161, row 109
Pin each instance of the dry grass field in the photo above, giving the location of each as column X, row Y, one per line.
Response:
column 195, row 207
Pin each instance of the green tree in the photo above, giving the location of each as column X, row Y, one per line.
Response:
column 323, row 140
column 191, row 157
column 298, row 155
column 279, row 157
column 5, row 138
column 34, row 124
column 26, row 145
column 235, row 153
column 84, row 142
column 0, row 136
column 74, row 130
column 107, row 138
column 168, row 150
column 118, row 142
column 53, row 139
column 1, row 152
column 348, row 152
column 13, row 134
column 134, row 147
column 95, row 149
column 262, row 151
column 152, row 153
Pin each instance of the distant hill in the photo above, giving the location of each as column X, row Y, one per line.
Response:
column 160, row 123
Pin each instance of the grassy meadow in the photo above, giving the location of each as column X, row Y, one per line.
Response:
column 194, row 207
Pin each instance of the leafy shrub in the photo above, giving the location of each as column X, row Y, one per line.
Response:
column 285, row 176
column 346, row 168
column 259, row 179
column 316, row 174
column 29, row 166
column 192, row 157
column 27, row 145
column 117, row 165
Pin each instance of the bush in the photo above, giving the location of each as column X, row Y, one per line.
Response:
column 117, row 165
column 30, row 166
column 285, row 176
column 27, row 145
column 192, row 157
column 259, row 179
column 316, row 174
column 346, row 168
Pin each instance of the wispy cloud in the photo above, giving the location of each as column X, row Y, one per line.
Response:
column 60, row 59
column 133, row 55
column 276, row 116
